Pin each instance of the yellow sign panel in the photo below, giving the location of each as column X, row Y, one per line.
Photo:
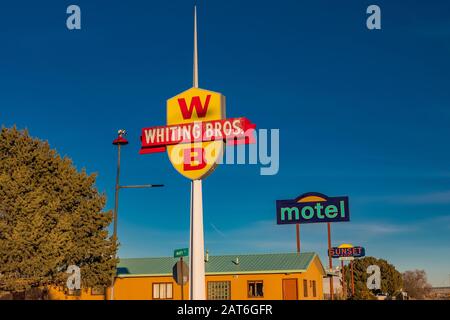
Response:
column 346, row 245
column 195, row 159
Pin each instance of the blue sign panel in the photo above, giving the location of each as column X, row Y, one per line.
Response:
column 327, row 209
column 355, row 252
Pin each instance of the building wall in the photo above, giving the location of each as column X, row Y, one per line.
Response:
column 140, row 287
column 273, row 285
column 57, row 293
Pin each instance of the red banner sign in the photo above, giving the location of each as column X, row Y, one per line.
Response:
column 233, row 131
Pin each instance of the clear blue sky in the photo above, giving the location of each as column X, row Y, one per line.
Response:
column 361, row 113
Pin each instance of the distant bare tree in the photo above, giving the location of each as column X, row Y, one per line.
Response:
column 415, row 284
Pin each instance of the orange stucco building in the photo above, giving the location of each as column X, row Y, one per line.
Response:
column 283, row 276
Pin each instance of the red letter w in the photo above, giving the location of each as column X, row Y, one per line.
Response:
column 195, row 103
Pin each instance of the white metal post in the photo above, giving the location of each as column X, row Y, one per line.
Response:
column 197, row 245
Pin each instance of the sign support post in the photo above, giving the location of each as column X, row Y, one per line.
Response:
column 178, row 271
column 353, row 279
column 182, row 279
column 197, row 244
column 297, row 228
column 197, row 258
column 330, row 260
column 344, row 281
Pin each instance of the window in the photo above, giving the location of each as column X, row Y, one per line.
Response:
column 305, row 288
column 95, row 291
column 219, row 290
column 162, row 291
column 255, row 289
column 73, row 292
column 314, row 288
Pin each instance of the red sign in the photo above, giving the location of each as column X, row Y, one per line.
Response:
column 232, row 131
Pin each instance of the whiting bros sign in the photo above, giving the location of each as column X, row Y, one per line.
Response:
column 195, row 132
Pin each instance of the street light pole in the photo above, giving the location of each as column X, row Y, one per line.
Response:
column 121, row 141
column 118, row 142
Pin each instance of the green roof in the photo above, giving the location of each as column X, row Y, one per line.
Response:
column 248, row 263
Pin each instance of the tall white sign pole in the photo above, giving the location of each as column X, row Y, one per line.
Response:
column 197, row 244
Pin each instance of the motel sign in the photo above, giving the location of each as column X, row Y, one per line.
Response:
column 325, row 209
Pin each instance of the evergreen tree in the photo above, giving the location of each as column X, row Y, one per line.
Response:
column 50, row 218
column 391, row 279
